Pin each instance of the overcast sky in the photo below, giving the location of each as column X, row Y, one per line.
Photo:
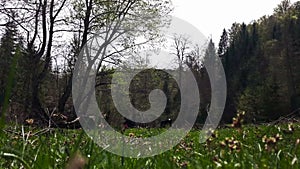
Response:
column 212, row 16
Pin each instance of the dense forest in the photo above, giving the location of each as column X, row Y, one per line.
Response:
column 261, row 60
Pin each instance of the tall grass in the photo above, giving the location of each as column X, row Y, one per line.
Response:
column 227, row 148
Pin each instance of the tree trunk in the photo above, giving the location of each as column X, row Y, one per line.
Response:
column 37, row 111
column 64, row 98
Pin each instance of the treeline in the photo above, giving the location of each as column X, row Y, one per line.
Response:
column 140, row 88
column 262, row 64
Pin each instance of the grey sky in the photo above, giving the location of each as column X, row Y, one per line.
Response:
column 212, row 16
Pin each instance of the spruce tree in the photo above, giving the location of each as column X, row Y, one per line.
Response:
column 223, row 44
column 8, row 44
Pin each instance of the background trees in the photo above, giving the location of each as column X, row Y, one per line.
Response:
column 8, row 45
column 47, row 26
column 262, row 64
column 127, row 19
